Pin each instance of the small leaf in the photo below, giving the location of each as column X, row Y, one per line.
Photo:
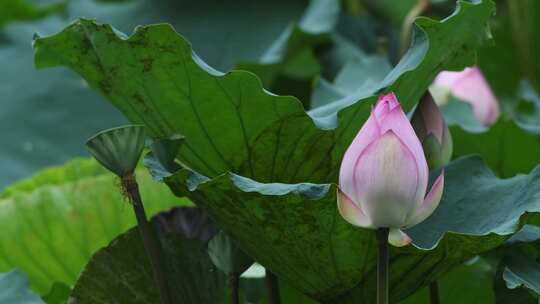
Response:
column 118, row 149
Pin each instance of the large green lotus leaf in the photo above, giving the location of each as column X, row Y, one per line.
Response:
column 296, row 231
column 229, row 121
column 70, row 111
column 121, row 272
column 52, row 223
column 14, row 289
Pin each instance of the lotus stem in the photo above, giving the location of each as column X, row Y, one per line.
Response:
column 434, row 292
column 234, row 285
column 382, row 265
column 149, row 238
column 406, row 29
column 273, row 288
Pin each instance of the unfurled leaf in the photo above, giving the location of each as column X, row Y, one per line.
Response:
column 121, row 273
column 301, row 227
column 62, row 215
column 154, row 79
column 243, row 29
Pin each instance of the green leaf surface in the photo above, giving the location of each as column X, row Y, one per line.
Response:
column 296, row 231
column 527, row 234
column 515, row 33
column 14, row 289
column 60, row 111
column 154, row 79
column 359, row 74
column 292, row 52
column 507, row 148
column 63, row 215
column 469, row 283
column 227, row 256
column 520, row 270
column 121, row 273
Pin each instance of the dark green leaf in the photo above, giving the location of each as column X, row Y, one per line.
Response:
column 507, row 148
column 521, row 270
column 469, row 283
column 257, row 134
column 296, row 230
column 121, row 273
column 58, row 294
column 227, row 256
column 59, row 110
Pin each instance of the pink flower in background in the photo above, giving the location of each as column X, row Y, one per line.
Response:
column 384, row 175
column 470, row 86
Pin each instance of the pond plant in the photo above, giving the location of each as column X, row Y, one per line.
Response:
column 368, row 154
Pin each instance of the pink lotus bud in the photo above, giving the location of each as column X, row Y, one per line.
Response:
column 384, row 175
column 470, row 86
column 433, row 133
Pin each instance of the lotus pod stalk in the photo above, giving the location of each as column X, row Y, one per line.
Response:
column 119, row 150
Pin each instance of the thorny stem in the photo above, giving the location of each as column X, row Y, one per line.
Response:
column 382, row 265
column 273, row 288
column 149, row 238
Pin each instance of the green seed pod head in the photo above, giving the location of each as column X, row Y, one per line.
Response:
column 118, row 149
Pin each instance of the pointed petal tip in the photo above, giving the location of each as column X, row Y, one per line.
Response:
column 431, row 202
column 398, row 238
column 388, row 99
column 351, row 212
